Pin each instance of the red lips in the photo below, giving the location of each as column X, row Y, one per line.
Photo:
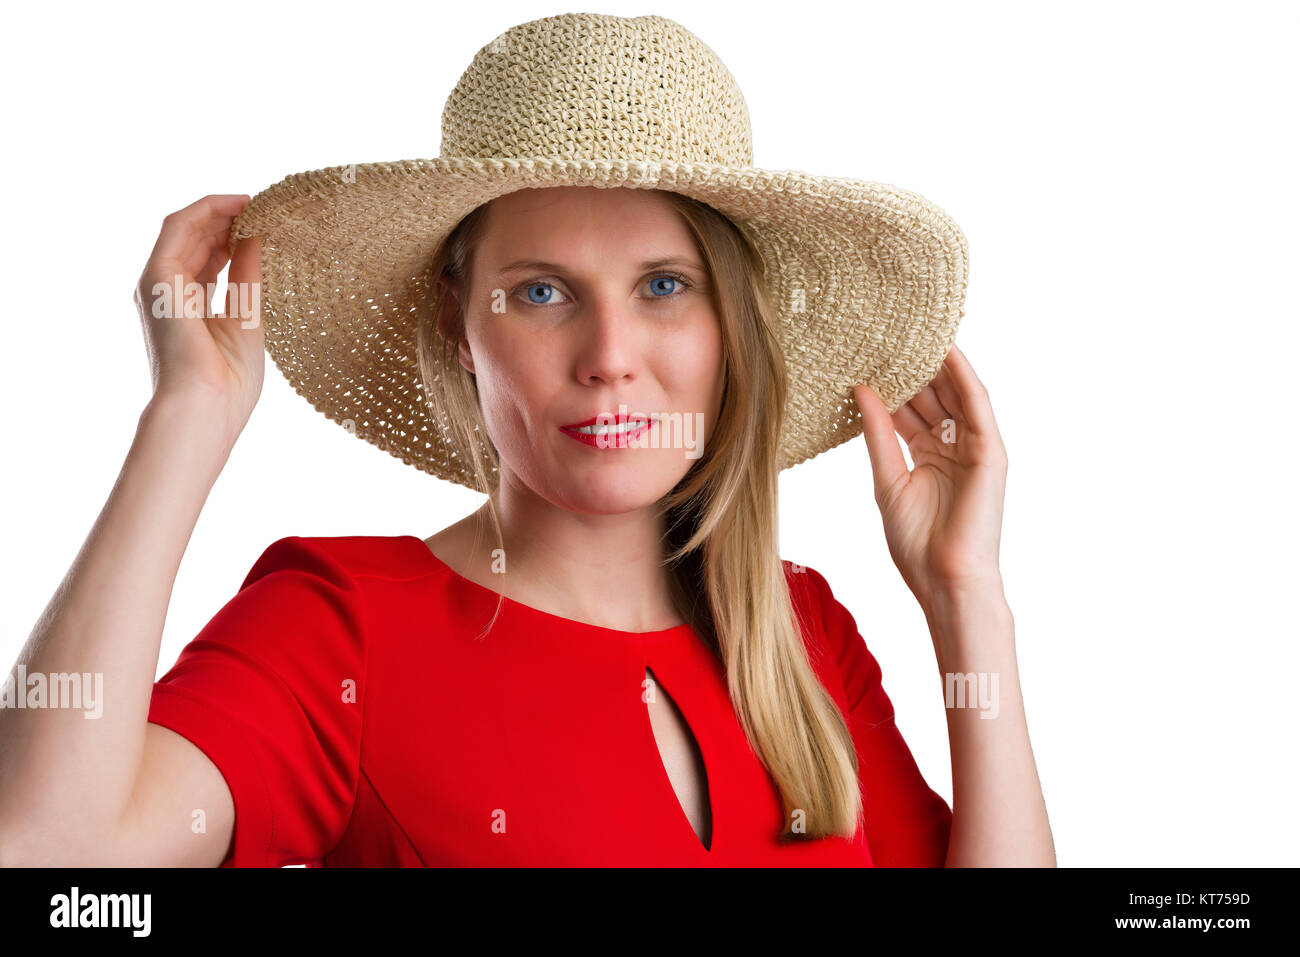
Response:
column 606, row 419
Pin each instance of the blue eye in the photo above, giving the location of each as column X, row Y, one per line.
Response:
column 666, row 286
column 679, row 285
column 540, row 285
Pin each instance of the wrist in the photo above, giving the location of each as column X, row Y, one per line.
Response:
column 983, row 593
column 972, row 613
column 194, row 422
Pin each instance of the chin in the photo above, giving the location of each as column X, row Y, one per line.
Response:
column 616, row 493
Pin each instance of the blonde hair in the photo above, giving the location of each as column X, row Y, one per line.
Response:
column 721, row 519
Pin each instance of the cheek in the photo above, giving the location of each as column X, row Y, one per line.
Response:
column 692, row 369
column 514, row 381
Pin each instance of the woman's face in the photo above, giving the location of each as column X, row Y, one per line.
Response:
column 567, row 320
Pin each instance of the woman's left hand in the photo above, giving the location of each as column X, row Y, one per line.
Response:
column 943, row 519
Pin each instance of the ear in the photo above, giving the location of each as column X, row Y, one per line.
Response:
column 465, row 356
column 450, row 291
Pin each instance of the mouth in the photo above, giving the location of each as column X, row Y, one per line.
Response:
column 608, row 431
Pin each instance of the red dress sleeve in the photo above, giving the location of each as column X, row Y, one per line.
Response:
column 907, row 823
column 271, row 691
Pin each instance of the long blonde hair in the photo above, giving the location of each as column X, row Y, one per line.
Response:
column 721, row 520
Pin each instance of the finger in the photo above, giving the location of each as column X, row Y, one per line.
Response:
column 909, row 423
column 243, row 289
column 200, row 267
column 246, row 265
column 947, row 391
column 927, row 405
column 215, row 204
column 199, row 259
column 182, row 243
column 200, row 218
column 217, row 260
column 888, row 466
column 974, row 396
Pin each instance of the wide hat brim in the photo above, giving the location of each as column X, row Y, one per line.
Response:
column 869, row 281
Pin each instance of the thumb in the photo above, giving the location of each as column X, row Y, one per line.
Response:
column 887, row 462
column 244, row 284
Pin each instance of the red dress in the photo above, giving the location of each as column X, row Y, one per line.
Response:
column 358, row 722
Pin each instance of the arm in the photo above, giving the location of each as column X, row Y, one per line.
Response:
column 999, row 816
column 78, row 791
column 69, row 781
column 943, row 525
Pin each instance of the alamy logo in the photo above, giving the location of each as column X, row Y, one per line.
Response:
column 102, row 910
column 79, row 690
column 973, row 690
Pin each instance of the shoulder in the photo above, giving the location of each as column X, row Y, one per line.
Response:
column 345, row 560
column 305, row 592
column 343, row 582
column 834, row 642
column 808, row 589
column 809, row 595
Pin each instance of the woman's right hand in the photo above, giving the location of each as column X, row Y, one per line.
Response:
column 217, row 357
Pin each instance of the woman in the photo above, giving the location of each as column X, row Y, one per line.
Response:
column 372, row 700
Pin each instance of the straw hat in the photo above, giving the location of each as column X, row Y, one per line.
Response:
column 869, row 279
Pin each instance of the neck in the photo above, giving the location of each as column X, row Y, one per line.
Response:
column 602, row 569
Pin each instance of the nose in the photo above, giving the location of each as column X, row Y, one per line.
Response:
column 609, row 347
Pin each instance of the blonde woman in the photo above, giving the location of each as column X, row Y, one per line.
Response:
column 607, row 664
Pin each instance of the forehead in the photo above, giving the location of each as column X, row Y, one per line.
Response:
column 580, row 219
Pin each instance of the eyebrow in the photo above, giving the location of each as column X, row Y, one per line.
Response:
column 543, row 265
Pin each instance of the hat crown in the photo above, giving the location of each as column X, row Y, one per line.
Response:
column 597, row 87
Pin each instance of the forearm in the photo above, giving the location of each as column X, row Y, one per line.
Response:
column 999, row 816
column 57, row 764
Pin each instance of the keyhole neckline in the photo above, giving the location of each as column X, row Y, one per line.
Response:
column 570, row 625
column 665, row 780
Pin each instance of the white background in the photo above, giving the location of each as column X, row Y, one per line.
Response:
column 1125, row 176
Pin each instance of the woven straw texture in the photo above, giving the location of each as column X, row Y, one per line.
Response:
column 870, row 279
